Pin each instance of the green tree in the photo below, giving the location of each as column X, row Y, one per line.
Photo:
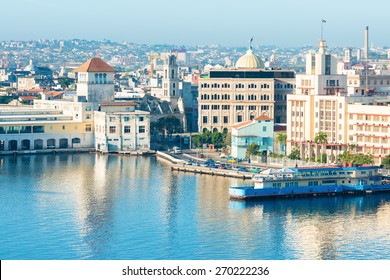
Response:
column 228, row 139
column 253, row 149
column 322, row 159
column 346, row 156
column 217, row 139
column 196, row 140
column 168, row 125
column 10, row 90
column 295, row 154
column 386, row 161
column 364, row 159
column 321, row 139
column 64, row 82
column 281, row 139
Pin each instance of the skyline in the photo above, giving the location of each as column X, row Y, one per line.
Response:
column 224, row 23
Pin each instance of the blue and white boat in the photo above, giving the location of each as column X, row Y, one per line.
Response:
column 303, row 181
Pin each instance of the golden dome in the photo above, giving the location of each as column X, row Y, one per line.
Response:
column 249, row 60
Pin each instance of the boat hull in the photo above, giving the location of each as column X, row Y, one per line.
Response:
column 249, row 192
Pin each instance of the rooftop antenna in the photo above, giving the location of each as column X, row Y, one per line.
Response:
column 366, row 56
column 250, row 43
column 322, row 28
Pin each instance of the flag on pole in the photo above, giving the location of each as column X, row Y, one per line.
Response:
column 323, row 20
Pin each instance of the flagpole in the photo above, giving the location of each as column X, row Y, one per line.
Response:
column 322, row 29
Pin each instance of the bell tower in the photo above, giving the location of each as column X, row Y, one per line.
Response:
column 170, row 81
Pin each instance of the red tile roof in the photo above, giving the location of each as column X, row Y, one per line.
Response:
column 53, row 93
column 27, row 98
column 241, row 124
column 95, row 64
column 263, row 118
column 259, row 118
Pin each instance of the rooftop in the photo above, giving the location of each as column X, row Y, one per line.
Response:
column 95, row 64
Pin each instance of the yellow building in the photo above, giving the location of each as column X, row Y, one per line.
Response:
column 47, row 125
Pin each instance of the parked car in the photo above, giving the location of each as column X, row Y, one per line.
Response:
column 256, row 170
column 204, row 164
column 189, row 161
column 209, row 160
column 222, row 166
column 243, row 169
column 212, row 165
column 195, row 163
column 236, row 168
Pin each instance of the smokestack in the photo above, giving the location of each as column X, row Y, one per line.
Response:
column 366, row 43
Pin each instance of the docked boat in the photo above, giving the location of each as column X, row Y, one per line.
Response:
column 328, row 180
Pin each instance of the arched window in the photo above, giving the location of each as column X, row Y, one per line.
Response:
column 105, row 78
column 96, row 78
column 100, row 78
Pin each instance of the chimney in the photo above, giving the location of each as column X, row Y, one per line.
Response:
column 366, row 43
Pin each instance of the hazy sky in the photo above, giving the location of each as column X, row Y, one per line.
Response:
column 226, row 22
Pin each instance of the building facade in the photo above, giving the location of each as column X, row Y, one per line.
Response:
column 95, row 81
column 119, row 127
column 260, row 130
column 230, row 96
column 48, row 125
column 322, row 103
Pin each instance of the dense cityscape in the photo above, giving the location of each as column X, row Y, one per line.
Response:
column 115, row 150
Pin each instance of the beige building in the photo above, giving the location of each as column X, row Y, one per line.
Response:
column 321, row 103
column 46, row 125
column 230, row 96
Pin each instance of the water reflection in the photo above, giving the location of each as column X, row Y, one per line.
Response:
column 87, row 206
column 323, row 228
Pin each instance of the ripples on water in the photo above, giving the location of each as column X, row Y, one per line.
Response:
column 87, row 206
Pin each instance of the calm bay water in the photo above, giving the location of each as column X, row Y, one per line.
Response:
column 87, row 206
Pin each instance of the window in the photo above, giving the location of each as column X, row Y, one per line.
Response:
column 239, row 118
column 204, row 119
column 225, row 119
column 88, row 116
column 141, row 119
column 264, row 128
column 225, row 107
column 112, row 129
column 112, row 119
column 127, row 129
column 63, row 127
column 215, row 119
column 38, row 129
column 88, row 128
column 126, row 119
column 141, row 129
column 252, row 108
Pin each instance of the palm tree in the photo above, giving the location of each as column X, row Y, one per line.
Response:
column 281, row 139
column 321, row 138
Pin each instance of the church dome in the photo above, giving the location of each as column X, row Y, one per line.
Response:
column 249, row 60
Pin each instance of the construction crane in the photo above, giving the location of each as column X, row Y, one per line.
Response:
column 152, row 59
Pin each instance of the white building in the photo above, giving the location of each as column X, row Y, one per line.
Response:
column 95, row 81
column 120, row 127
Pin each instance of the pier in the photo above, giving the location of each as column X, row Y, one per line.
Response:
column 212, row 171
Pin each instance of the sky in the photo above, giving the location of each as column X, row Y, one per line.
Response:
column 282, row 23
